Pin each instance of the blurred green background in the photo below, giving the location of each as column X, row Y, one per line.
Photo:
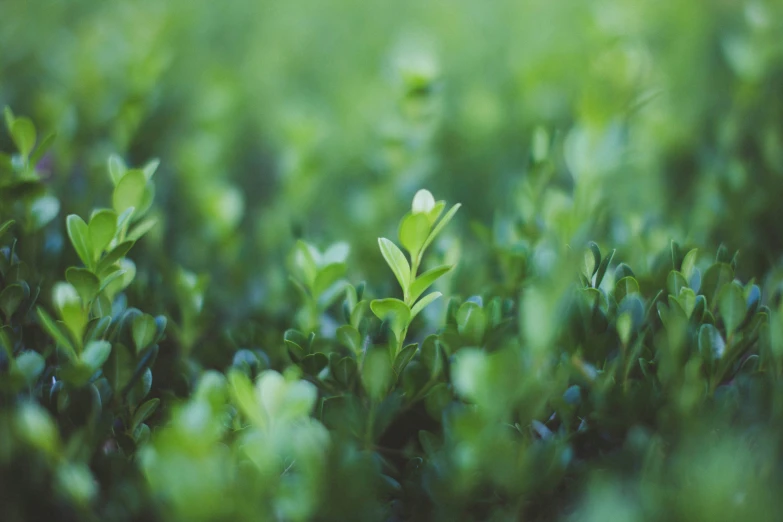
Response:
column 279, row 120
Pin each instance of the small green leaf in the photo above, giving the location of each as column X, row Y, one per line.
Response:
column 95, row 354
column 114, row 255
column 102, row 229
column 10, row 299
column 117, row 169
column 327, row 276
column 601, row 272
column 471, row 322
column 675, row 282
column 141, row 229
column 626, row 285
column 425, row 280
column 69, row 305
column 244, row 397
column 85, row 282
column 144, row 331
column 377, row 374
column 441, row 225
column 313, row 364
column 42, row 148
column 713, row 280
column 413, row 232
column 396, row 261
column 305, row 263
column 43, row 210
column 689, row 263
column 404, row 357
column 344, row 370
column 731, row 304
column 150, row 168
column 30, row 365
column 350, row 337
column 427, row 299
column 5, row 227
column 591, row 261
column 393, row 310
column 711, row 343
column 23, row 133
column 129, row 191
column 143, row 412
column 79, row 234
column 55, row 332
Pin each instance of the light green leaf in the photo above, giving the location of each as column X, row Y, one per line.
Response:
column 23, row 133
column 396, row 261
column 129, row 191
column 85, row 282
column 30, row 364
column 42, row 148
column 414, row 229
column 623, row 287
column 95, row 354
column 117, row 169
column 393, row 310
column 350, row 337
column 141, row 229
column 10, row 298
column 421, row 283
column 427, row 299
column 731, row 304
column 102, row 229
column 150, row 168
column 79, row 234
column 441, row 225
column 55, row 332
column 326, row 277
column 69, row 305
column 471, row 321
column 689, row 263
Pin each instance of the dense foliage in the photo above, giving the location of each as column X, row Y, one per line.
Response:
column 220, row 333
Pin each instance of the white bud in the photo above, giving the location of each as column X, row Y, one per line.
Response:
column 423, row 202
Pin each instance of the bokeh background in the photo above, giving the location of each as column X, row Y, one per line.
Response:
column 621, row 121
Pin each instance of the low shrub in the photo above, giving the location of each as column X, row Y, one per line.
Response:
column 572, row 387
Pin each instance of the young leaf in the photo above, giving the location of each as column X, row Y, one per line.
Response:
column 427, row 299
column 731, row 304
column 116, row 169
column 423, row 202
column 144, row 331
column 55, row 332
column 350, row 337
column 396, row 261
column 102, row 228
column 144, row 412
column 10, row 298
column 85, row 283
column 626, row 285
column 129, row 191
column 404, row 357
column 441, row 224
column 395, row 311
column 141, row 229
column 413, row 232
column 23, row 133
column 79, row 234
column 421, row 283
column 471, row 321
column 95, row 354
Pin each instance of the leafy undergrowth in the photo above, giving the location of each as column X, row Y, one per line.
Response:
column 574, row 388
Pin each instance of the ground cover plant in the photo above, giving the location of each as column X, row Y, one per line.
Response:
column 353, row 261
